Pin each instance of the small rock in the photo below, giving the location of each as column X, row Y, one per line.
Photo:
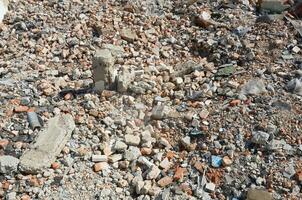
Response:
column 226, row 161
column 255, row 194
column 216, row 161
column 179, row 173
column 210, row 187
column 132, row 140
column 295, row 86
column 3, row 143
column 289, row 171
column 273, row 6
column 153, row 173
column 145, row 161
column 103, row 72
column 11, row 196
column 186, row 142
column 115, row 157
column 100, row 166
column 158, row 112
column 99, row 158
column 128, row 35
column 132, row 153
column 146, row 151
column 253, row 87
column 138, row 186
column 199, row 166
column 8, row 164
column 21, row 109
column 204, row 114
column 165, row 164
column 165, row 143
column 165, row 181
column 120, row 146
column 48, row 145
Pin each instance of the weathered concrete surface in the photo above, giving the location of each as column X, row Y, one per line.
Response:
column 48, row 145
column 8, row 164
column 102, row 65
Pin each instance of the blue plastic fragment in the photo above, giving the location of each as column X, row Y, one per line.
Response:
column 216, row 161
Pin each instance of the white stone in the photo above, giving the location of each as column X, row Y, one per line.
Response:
column 8, row 164
column 99, row 158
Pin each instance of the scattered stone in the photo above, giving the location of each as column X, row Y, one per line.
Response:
column 138, row 186
column 216, row 161
column 226, row 161
column 128, row 35
column 179, row 173
column 158, row 112
column 295, row 86
column 8, row 164
column 260, row 137
column 165, row 181
column 48, row 144
column 132, row 140
column 210, row 187
column 186, row 142
column 226, row 70
column 3, row 9
column 120, row 146
column 124, row 78
column 255, row 194
column 199, row 166
column 165, row 164
column 100, row 166
column 204, row 114
column 153, row 173
column 165, row 143
column 3, row 143
column 274, row 6
column 99, row 158
column 132, row 153
column 115, row 158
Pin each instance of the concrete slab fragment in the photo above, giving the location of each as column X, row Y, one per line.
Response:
column 49, row 143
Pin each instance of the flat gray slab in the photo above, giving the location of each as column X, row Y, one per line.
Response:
column 48, row 145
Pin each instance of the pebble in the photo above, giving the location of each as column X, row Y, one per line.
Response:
column 210, row 187
column 132, row 140
column 165, row 181
column 226, row 161
column 132, row 153
column 100, row 166
column 153, row 173
column 255, row 194
column 216, row 161
column 260, row 137
column 120, row 146
column 8, row 164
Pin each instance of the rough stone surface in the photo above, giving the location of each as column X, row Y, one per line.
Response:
column 48, row 144
column 8, row 164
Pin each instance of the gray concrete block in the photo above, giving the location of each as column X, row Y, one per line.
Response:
column 49, row 143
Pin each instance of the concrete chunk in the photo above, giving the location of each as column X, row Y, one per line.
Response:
column 48, row 145
column 103, row 72
column 3, row 8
